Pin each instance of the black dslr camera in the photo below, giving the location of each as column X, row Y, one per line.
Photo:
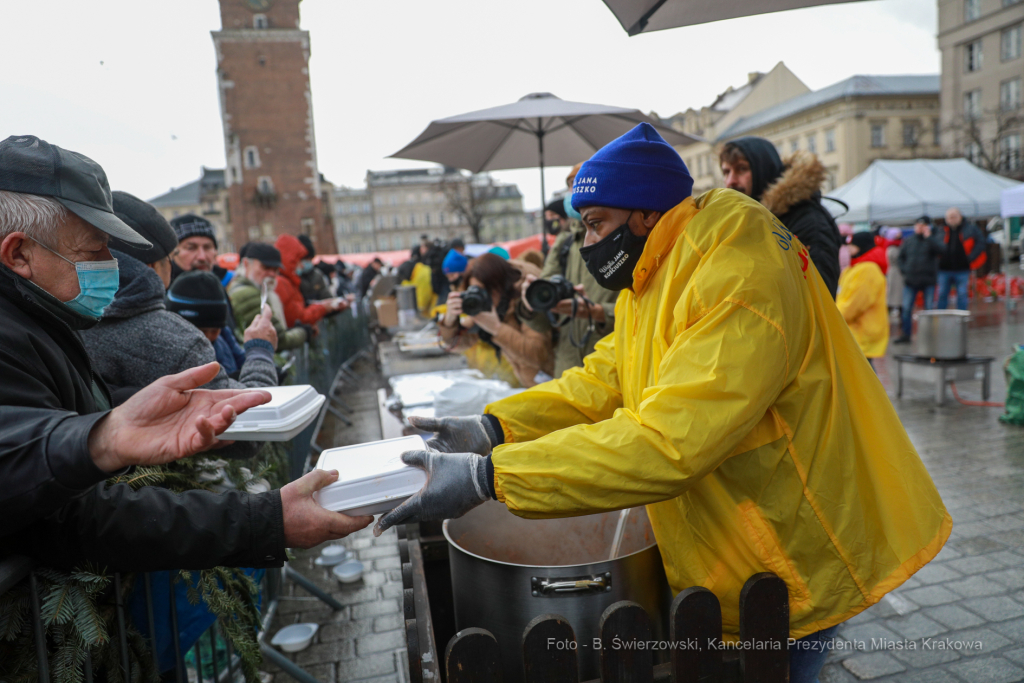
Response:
column 543, row 295
column 475, row 300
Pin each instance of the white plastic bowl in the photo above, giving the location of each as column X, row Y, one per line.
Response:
column 349, row 571
column 296, row 637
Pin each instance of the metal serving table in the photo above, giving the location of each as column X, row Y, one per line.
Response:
column 942, row 372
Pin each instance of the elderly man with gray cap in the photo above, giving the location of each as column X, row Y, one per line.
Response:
column 59, row 438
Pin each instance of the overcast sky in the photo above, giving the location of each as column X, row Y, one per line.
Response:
column 132, row 84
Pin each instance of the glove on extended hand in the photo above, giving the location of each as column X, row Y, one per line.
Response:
column 456, row 483
column 472, row 434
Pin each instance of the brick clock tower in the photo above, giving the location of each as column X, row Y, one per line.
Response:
column 267, row 114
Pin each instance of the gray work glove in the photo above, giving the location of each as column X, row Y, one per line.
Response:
column 456, row 483
column 471, row 434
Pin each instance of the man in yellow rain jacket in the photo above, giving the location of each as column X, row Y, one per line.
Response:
column 731, row 399
column 862, row 299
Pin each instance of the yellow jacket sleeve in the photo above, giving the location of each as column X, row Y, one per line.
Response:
column 580, row 396
column 719, row 378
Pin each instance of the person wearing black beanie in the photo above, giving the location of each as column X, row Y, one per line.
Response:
column 147, row 221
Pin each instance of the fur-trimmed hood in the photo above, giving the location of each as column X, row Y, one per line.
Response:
column 801, row 180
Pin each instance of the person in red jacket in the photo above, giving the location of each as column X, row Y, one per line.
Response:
column 296, row 312
column 868, row 250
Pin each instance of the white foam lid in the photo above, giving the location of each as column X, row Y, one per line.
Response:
column 288, row 409
column 370, row 474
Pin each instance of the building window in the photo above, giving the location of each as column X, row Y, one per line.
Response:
column 972, row 56
column 794, row 145
column 1009, row 43
column 1009, row 95
column 910, row 138
column 972, row 152
column 812, row 143
column 1009, row 153
column 972, row 9
column 251, row 157
column 830, row 140
column 259, row 21
column 972, row 104
column 878, row 135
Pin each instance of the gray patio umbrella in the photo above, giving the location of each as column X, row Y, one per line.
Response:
column 644, row 16
column 540, row 129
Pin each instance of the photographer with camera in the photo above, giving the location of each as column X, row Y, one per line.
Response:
column 487, row 312
column 584, row 313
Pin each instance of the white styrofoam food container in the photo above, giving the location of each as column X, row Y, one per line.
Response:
column 290, row 410
column 373, row 478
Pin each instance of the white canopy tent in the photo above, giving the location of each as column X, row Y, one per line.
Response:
column 1012, row 201
column 895, row 192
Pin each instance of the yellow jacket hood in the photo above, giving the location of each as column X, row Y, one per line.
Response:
column 733, row 401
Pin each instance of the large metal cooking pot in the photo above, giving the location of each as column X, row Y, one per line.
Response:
column 507, row 570
column 942, row 334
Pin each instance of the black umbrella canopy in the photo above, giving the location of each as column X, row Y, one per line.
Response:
column 644, row 16
column 538, row 130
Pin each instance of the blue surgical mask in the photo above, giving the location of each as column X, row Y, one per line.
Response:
column 97, row 282
column 569, row 211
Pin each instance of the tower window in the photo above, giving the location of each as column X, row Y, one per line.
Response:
column 259, row 21
column 251, row 157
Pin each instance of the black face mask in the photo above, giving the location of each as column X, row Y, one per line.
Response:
column 611, row 261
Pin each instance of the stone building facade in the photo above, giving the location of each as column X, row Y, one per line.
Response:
column 982, row 81
column 272, row 180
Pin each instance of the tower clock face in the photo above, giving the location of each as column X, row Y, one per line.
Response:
column 259, row 5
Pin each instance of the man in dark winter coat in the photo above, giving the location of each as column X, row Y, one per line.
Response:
column 59, row 439
column 791, row 190
column 963, row 251
column 919, row 263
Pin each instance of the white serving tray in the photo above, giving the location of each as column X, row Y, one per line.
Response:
column 290, row 410
column 373, row 478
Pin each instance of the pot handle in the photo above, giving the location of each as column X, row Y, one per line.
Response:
column 598, row 583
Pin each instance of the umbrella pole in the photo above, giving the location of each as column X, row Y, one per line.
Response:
column 543, row 194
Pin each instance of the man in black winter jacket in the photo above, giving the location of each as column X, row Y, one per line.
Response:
column 791, row 190
column 919, row 264
column 59, row 439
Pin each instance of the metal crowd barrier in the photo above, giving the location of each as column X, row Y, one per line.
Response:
column 326, row 363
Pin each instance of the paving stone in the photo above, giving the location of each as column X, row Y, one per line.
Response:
column 995, row 609
column 975, row 587
column 333, row 651
column 929, row 596
column 989, row 670
column 1012, row 629
column 989, row 639
column 937, row 573
column 954, row 616
column 863, row 635
column 873, row 665
column 973, row 565
column 922, row 657
column 978, row 546
column 345, row 629
column 384, row 563
column 378, row 642
column 373, row 609
column 1011, row 578
column 915, row 626
column 388, row 622
column 367, row 666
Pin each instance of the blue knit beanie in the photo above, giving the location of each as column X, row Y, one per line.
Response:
column 636, row 171
column 454, row 262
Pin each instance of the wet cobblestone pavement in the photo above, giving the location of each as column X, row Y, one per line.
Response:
column 964, row 612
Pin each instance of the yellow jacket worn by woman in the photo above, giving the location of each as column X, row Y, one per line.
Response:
column 862, row 301
column 733, row 401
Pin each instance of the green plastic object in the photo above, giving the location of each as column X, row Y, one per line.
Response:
column 1014, row 369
